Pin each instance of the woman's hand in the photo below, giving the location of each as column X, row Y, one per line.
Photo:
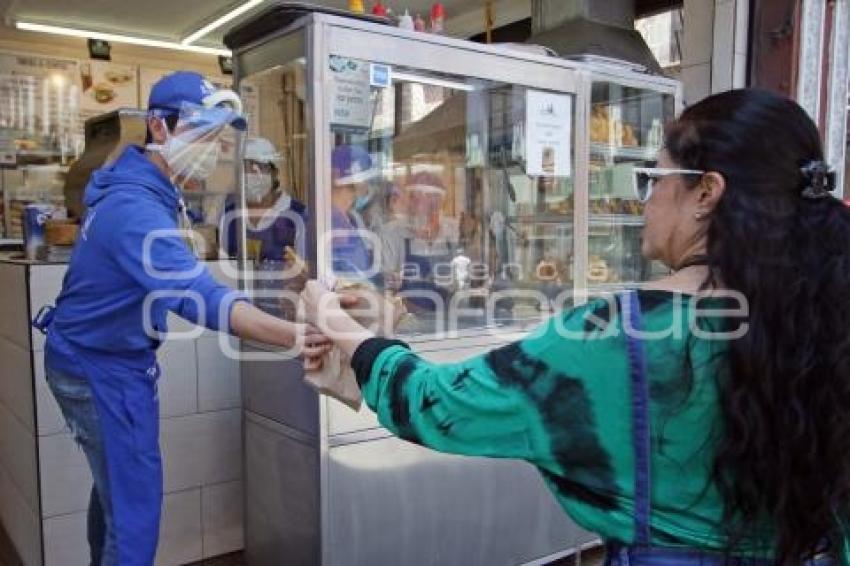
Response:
column 320, row 304
column 322, row 308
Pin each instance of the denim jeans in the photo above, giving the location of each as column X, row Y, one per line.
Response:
column 76, row 400
column 655, row 556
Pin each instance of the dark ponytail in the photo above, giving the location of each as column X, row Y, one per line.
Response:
column 784, row 456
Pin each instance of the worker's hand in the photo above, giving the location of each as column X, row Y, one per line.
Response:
column 312, row 342
column 319, row 303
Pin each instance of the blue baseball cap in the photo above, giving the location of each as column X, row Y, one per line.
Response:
column 173, row 91
column 351, row 164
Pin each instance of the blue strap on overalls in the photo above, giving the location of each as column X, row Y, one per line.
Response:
column 641, row 436
column 640, row 551
column 43, row 318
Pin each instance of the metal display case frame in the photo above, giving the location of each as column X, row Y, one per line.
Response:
column 325, row 485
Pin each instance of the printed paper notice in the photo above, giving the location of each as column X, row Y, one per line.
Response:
column 351, row 94
column 549, row 133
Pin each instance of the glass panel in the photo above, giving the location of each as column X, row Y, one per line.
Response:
column 435, row 180
column 267, row 225
column 626, row 129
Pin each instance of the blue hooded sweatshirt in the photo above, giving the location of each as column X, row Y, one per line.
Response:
column 130, row 266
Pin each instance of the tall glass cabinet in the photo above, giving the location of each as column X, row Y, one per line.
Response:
column 485, row 187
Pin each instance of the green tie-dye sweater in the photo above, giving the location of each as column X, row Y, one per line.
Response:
column 561, row 400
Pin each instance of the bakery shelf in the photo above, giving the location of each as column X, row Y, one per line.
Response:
column 616, row 219
column 635, row 153
column 543, row 218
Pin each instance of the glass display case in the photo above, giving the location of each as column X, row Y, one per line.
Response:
column 625, row 130
column 475, row 184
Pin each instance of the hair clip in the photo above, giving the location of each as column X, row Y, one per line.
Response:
column 819, row 179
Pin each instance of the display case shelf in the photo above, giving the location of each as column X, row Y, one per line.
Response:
column 616, row 219
column 625, row 153
column 38, row 153
column 543, row 218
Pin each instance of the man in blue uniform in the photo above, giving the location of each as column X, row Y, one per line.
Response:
column 131, row 267
column 351, row 170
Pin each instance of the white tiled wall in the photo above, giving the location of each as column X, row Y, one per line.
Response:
column 65, row 476
column 200, row 435
column 180, row 535
column 178, row 384
column 62, row 536
column 202, row 449
column 221, row 516
column 218, row 377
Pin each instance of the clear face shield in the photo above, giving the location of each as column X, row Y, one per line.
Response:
column 200, row 136
column 193, row 147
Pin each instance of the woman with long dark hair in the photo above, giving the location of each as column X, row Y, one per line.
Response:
column 704, row 418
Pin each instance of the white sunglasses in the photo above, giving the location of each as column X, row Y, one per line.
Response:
column 645, row 177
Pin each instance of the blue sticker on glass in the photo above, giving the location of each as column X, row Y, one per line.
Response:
column 379, row 75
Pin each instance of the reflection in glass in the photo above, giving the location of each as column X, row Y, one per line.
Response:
column 275, row 176
column 431, row 199
column 626, row 129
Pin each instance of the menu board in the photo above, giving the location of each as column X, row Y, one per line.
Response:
column 549, row 130
column 39, row 105
column 350, row 92
column 45, row 101
column 148, row 76
column 106, row 87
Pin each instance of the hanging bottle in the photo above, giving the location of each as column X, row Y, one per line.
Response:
column 438, row 18
column 379, row 9
column 356, row 6
column 406, row 21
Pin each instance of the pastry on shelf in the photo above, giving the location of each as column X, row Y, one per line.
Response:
column 634, row 208
column 599, row 124
column 597, row 270
column 628, row 138
column 564, row 207
column 546, row 271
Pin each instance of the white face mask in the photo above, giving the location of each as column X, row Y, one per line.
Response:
column 257, row 186
column 188, row 159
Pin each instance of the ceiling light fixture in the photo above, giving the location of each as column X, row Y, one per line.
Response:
column 421, row 79
column 117, row 38
column 217, row 23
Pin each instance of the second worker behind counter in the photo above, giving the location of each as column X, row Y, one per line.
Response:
column 274, row 219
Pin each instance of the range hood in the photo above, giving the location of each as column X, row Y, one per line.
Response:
column 590, row 29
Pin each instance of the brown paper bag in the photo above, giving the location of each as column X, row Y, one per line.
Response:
column 374, row 311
